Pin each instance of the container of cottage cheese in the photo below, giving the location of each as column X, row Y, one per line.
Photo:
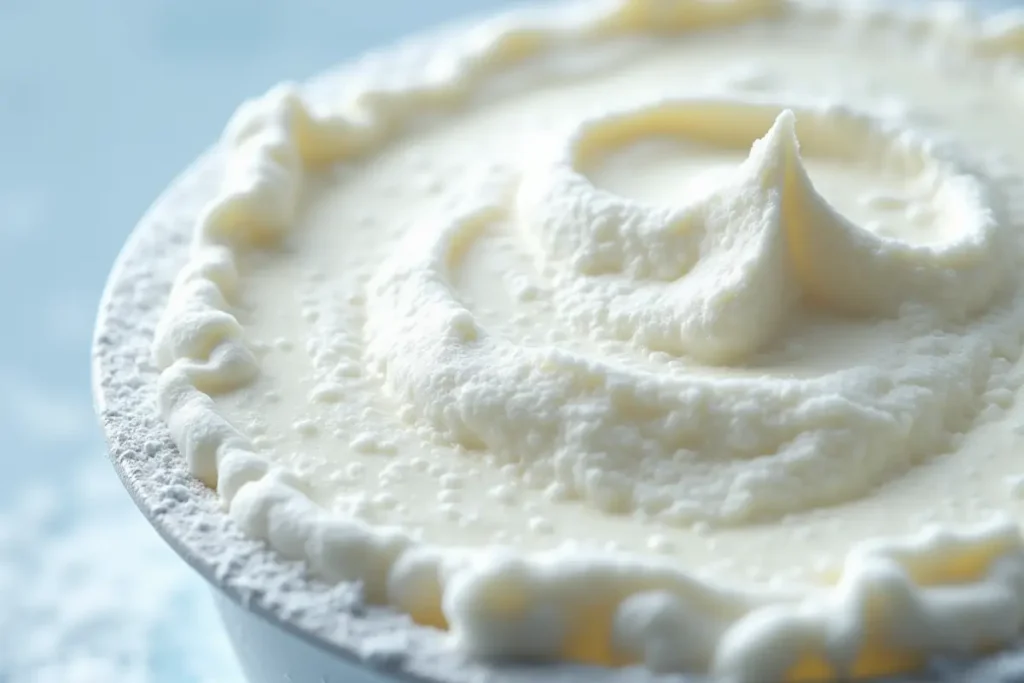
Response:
column 609, row 340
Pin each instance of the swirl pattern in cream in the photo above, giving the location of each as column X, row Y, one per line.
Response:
column 714, row 279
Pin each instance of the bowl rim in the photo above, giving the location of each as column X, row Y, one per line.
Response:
column 128, row 434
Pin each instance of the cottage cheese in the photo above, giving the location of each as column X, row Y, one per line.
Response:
column 623, row 332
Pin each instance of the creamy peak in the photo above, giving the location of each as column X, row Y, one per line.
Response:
column 719, row 276
column 722, row 270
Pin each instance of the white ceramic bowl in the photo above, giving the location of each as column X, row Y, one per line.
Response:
column 284, row 626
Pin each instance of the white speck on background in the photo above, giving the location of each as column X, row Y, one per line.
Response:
column 90, row 594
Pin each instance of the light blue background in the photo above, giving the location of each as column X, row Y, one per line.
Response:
column 102, row 103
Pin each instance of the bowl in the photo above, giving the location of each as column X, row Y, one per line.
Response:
column 284, row 625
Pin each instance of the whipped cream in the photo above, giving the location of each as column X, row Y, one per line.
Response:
column 583, row 341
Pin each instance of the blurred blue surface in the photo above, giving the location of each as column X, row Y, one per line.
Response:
column 102, row 103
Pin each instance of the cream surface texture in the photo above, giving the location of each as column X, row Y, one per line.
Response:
column 675, row 333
